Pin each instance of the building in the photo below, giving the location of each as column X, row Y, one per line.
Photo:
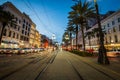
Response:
column 21, row 35
column 37, row 39
column 32, row 35
column 111, row 28
column 12, row 34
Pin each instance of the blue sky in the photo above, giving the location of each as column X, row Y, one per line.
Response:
column 50, row 16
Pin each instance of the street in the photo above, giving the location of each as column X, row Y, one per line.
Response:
column 57, row 65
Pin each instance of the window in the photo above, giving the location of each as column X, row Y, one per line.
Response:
column 19, row 21
column 17, row 36
column 5, row 31
column 14, row 35
column 23, row 26
column 28, row 34
column 26, row 27
column 114, row 30
column 113, row 22
column 108, row 25
column 119, row 27
column 119, row 19
column 22, row 31
column 15, row 26
column 18, row 28
column 116, row 40
column 9, row 33
column 24, row 20
column 109, row 31
column 110, row 38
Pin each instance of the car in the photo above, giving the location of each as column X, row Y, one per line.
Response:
column 113, row 53
column 2, row 50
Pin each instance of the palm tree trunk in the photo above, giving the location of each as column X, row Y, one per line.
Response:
column 89, row 42
column 71, row 40
column 82, row 29
column 76, row 37
column 2, row 30
column 102, row 57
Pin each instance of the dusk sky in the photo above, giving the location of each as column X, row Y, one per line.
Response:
column 50, row 16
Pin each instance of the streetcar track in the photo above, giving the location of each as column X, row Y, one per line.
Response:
column 81, row 78
column 50, row 61
column 97, row 69
column 22, row 67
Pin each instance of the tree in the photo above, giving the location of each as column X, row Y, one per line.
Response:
column 74, row 21
column 96, row 33
column 102, row 56
column 6, row 18
column 70, row 30
column 65, row 38
column 80, row 14
column 89, row 34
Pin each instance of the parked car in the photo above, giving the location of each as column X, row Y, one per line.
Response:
column 113, row 53
column 15, row 50
column 2, row 50
column 7, row 50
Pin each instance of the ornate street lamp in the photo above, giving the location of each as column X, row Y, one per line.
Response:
column 102, row 56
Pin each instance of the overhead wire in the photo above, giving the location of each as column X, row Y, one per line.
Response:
column 31, row 7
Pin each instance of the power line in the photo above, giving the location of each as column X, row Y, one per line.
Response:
column 46, row 13
column 37, row 15
column 29, row 5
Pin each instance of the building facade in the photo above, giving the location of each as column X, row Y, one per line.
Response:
column 32, row 35
column 111, row 29
column 21, row 35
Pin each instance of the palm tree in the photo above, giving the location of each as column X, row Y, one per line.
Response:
column 71, row 30
column 89, row 34
column 96, row 33
column 65, row 38
column 6, row 19
column 82, row 12
column 74, row 21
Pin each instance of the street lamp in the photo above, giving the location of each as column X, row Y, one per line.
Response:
column 102, row 57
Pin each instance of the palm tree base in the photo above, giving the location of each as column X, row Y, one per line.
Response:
column 102, row 57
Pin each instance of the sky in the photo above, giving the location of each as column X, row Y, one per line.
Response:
column 50, row 16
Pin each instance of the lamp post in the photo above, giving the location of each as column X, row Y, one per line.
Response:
column 102, row 56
